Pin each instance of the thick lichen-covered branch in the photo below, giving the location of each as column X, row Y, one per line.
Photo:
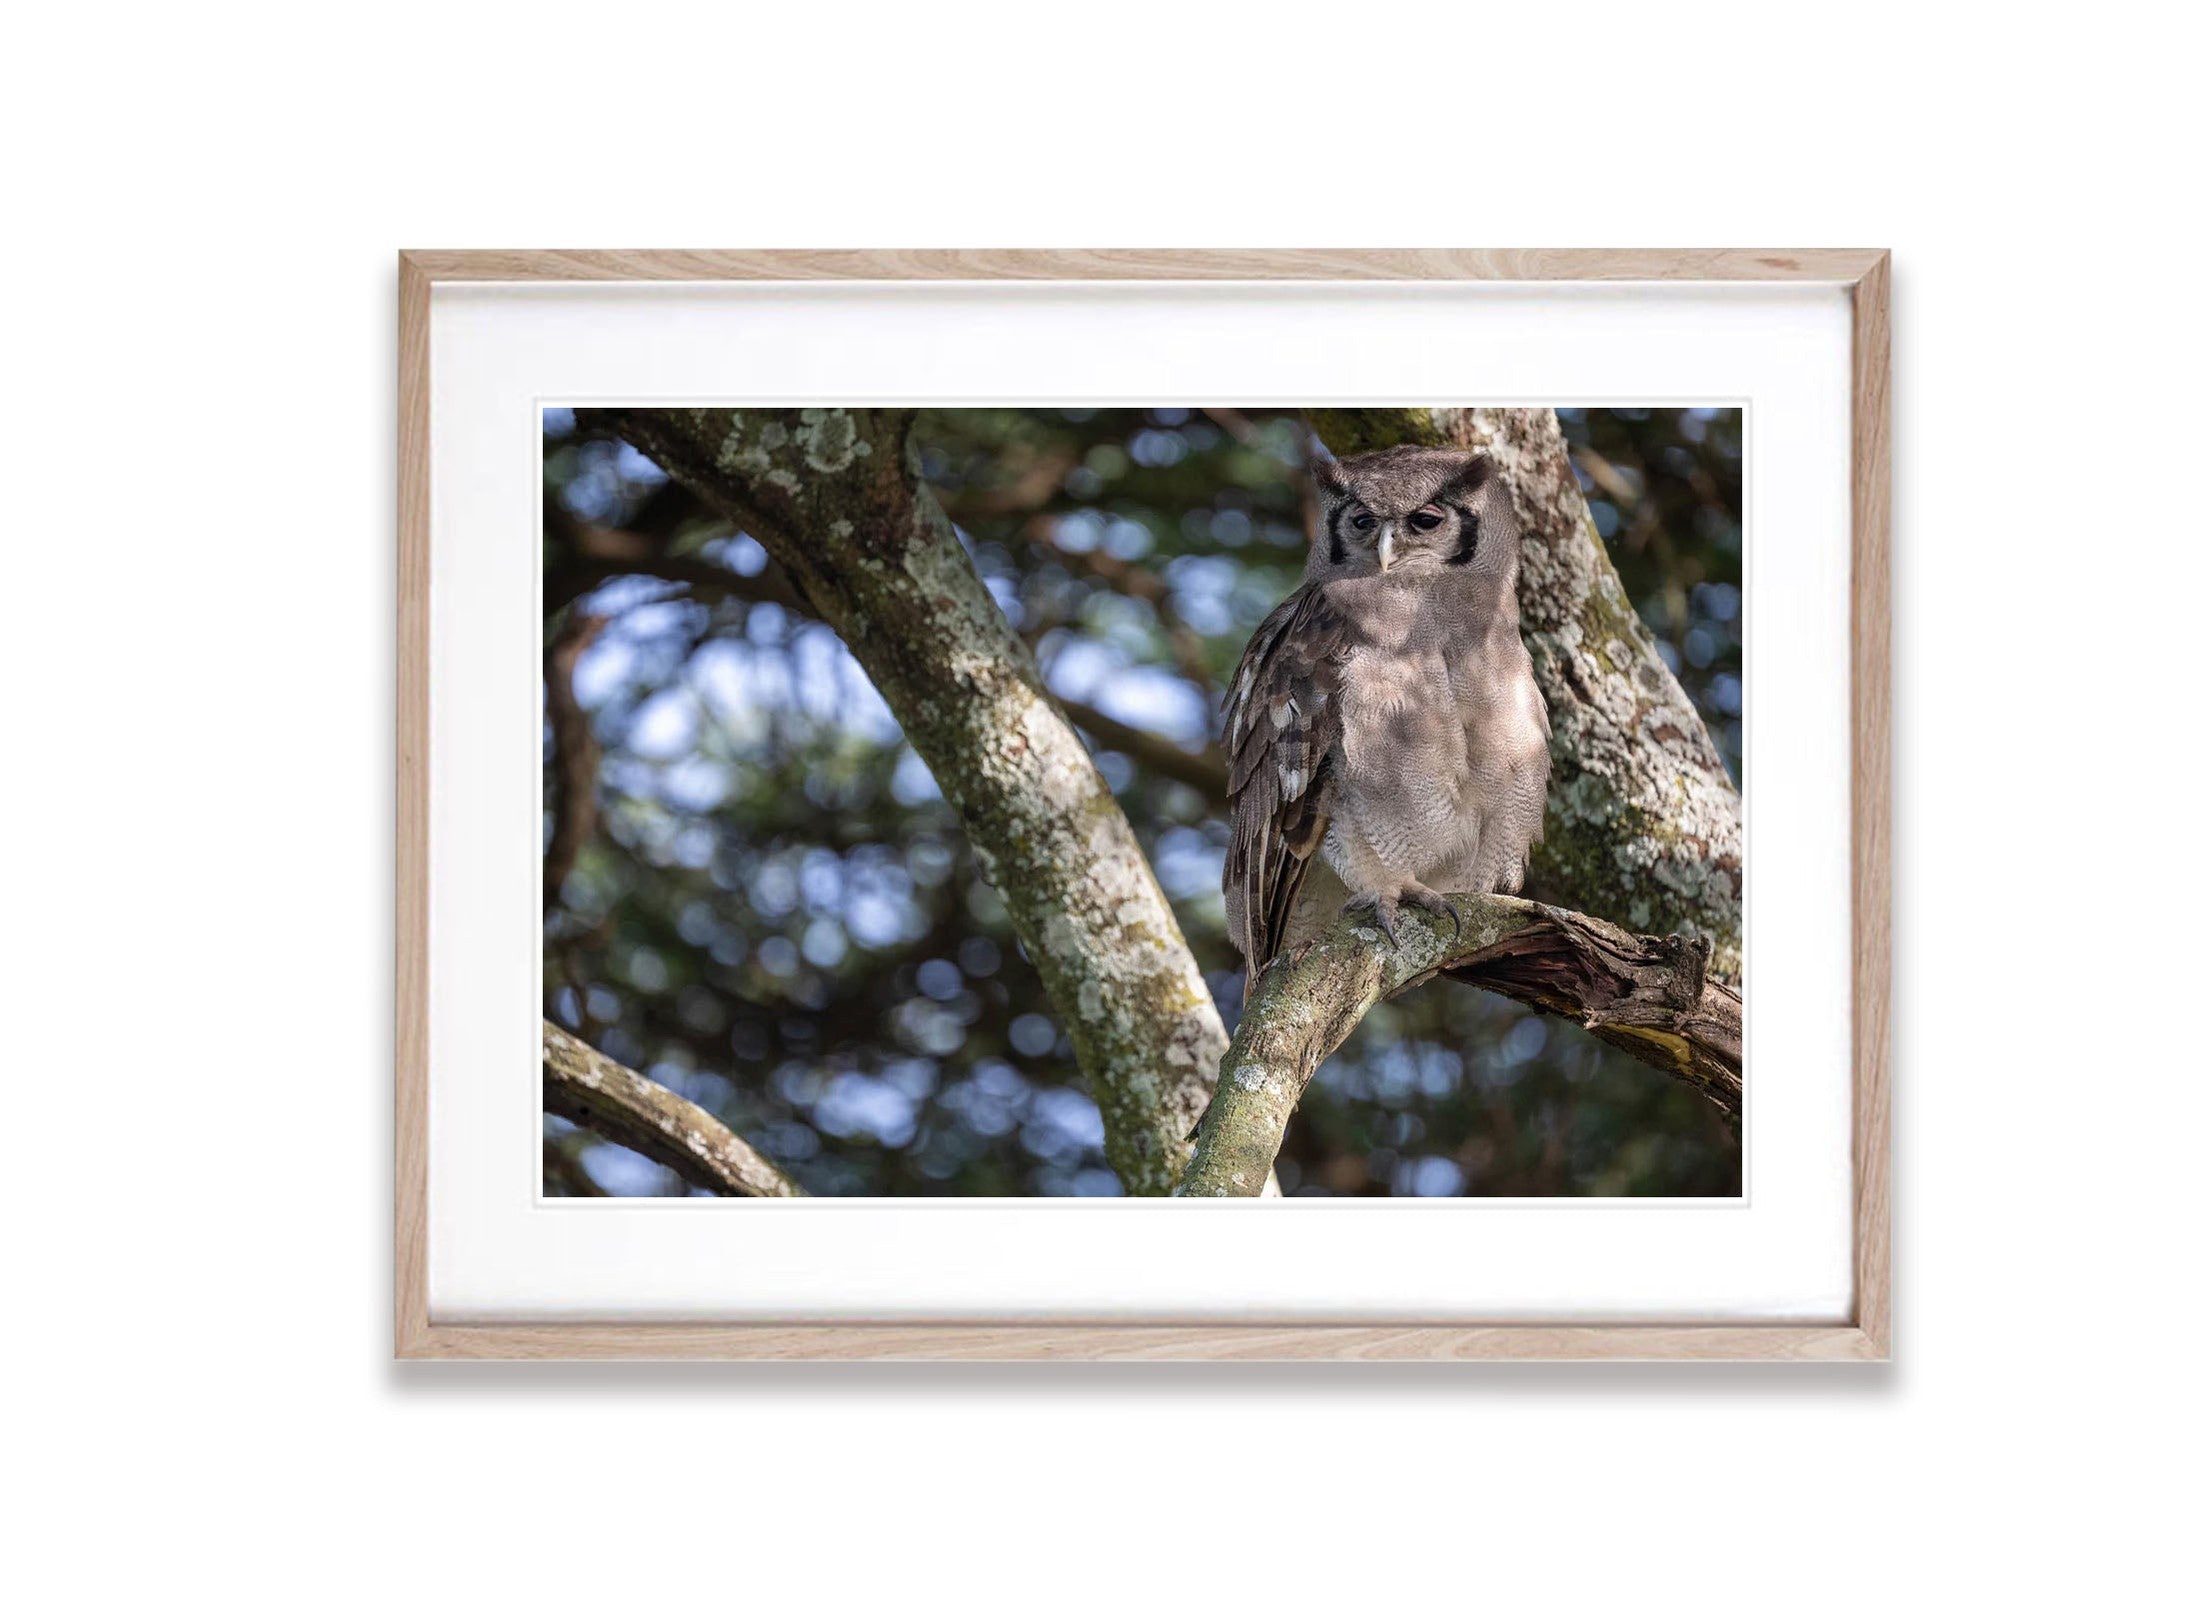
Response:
column 835, row 497
column 592, row 1090
column 1652, row 997
column 1643, row 824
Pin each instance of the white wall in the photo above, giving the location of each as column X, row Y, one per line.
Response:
column 199, row 374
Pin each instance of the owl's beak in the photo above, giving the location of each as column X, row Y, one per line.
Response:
column 1382, row 550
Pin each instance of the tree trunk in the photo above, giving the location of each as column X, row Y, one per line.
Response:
column 1643, row 825
column 834, row 495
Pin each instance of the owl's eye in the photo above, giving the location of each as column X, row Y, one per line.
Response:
column 1363, row 522
column 1427, row 519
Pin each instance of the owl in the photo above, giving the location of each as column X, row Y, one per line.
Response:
column 1386, row 741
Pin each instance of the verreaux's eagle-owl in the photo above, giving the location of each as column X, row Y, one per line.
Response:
column 1385, row 737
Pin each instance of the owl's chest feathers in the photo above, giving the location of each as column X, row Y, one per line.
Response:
column 1439, row 743
column 1501, row 710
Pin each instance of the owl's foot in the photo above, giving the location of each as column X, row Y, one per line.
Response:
column 1383, row 907
column 1384, row 911
column 1427, row 899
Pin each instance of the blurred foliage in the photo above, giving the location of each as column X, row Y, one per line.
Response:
column 774, row 912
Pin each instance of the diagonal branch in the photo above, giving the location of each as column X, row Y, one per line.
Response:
column 705, row 580
column 1200, row 770
column 588, row 1087
column 836, row 499
column 591, row 553
column 1651, row 997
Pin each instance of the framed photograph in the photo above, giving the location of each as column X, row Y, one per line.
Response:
column 1141, row 804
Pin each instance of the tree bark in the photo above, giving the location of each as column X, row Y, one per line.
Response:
column 1652, row 997
column 588, row 1087
column 1643, row 823
column 835, row 496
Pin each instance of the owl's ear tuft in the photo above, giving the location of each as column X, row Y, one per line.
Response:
column 1328, row 475
column 1471, row 474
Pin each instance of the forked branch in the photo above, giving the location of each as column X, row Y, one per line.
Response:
column 1651, row 997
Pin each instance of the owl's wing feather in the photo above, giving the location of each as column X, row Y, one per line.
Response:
column 1281, row 730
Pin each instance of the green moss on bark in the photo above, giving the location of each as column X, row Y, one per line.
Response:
column 1354, row 432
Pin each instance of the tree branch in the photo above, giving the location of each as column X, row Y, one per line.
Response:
column 1651, row 997
column 704, row 579
column 1643, row 823
column 1200, row 770
column 589, row 1088
column 835, row 496
column 596, row 554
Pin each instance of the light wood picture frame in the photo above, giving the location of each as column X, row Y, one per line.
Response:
column 1864, row 1335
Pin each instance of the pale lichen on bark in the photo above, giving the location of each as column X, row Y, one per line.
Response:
column 836, row 498
column 1643, row 822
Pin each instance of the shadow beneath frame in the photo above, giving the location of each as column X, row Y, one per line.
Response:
column 1293, row 1380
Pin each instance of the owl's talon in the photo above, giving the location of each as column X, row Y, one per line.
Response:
column 1428, row 899
column 1383, row 908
